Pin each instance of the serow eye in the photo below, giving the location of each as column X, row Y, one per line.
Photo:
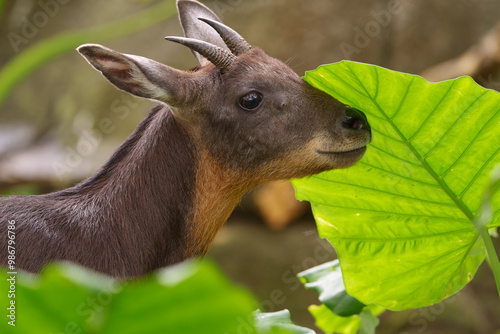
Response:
column 251, row 101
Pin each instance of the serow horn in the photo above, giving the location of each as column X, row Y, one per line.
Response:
column 216, row 55
column 233, row 40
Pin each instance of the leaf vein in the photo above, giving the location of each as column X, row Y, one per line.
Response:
column 399, row 239
column 385, row 192
column 400, row 103
column 440, row 257
column 478, row 173
column 395, row 156
column 424, row 163
column 393, row 213
column 433, row 110
column 450, row 128
column 399, row 175
column 463, row 258
column 469, row 145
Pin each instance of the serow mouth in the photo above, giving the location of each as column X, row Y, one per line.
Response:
column 344, row 154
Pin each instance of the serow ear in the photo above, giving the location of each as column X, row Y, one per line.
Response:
column 189, row 14
column 137, row 75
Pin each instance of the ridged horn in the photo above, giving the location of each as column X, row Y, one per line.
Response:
column 216, row 55
column 237, row 44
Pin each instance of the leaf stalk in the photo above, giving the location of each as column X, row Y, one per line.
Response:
column 491, row 256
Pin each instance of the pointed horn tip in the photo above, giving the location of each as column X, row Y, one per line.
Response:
column 234, row 41
column 215, row 54
column 173, row 39
column 207, row 21
column 180, row 40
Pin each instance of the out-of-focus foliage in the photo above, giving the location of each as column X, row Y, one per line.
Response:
column 191, row 297
column 363, row 323
column 186, row 298
column 327, row 281
column 340, row 312
column 278, row 323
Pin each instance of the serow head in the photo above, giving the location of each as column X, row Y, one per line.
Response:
column 249, row 111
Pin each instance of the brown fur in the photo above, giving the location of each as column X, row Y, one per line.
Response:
column 218, row 191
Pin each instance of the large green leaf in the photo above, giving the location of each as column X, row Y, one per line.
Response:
column 401, row 219
column 187, row 298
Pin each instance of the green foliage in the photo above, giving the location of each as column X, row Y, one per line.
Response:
column 186, row 298
column 278, row 323
column 363, row 323
column 340, row 312
column 326, row 280
column 401, row 220
column 37, row 55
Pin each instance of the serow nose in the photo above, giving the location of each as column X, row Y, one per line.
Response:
column 355, row 120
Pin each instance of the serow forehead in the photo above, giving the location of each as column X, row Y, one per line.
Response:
column 257, row 65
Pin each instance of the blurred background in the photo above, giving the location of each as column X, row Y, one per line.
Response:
column 51, row 102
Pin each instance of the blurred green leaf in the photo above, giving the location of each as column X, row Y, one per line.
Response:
column 278, row 323
column 369, row 322
column 330, row 323
column 401, row 219
column 186, row 298
column 326, row 280
column 50, row 302
column 340, row 313
column 35, row 56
